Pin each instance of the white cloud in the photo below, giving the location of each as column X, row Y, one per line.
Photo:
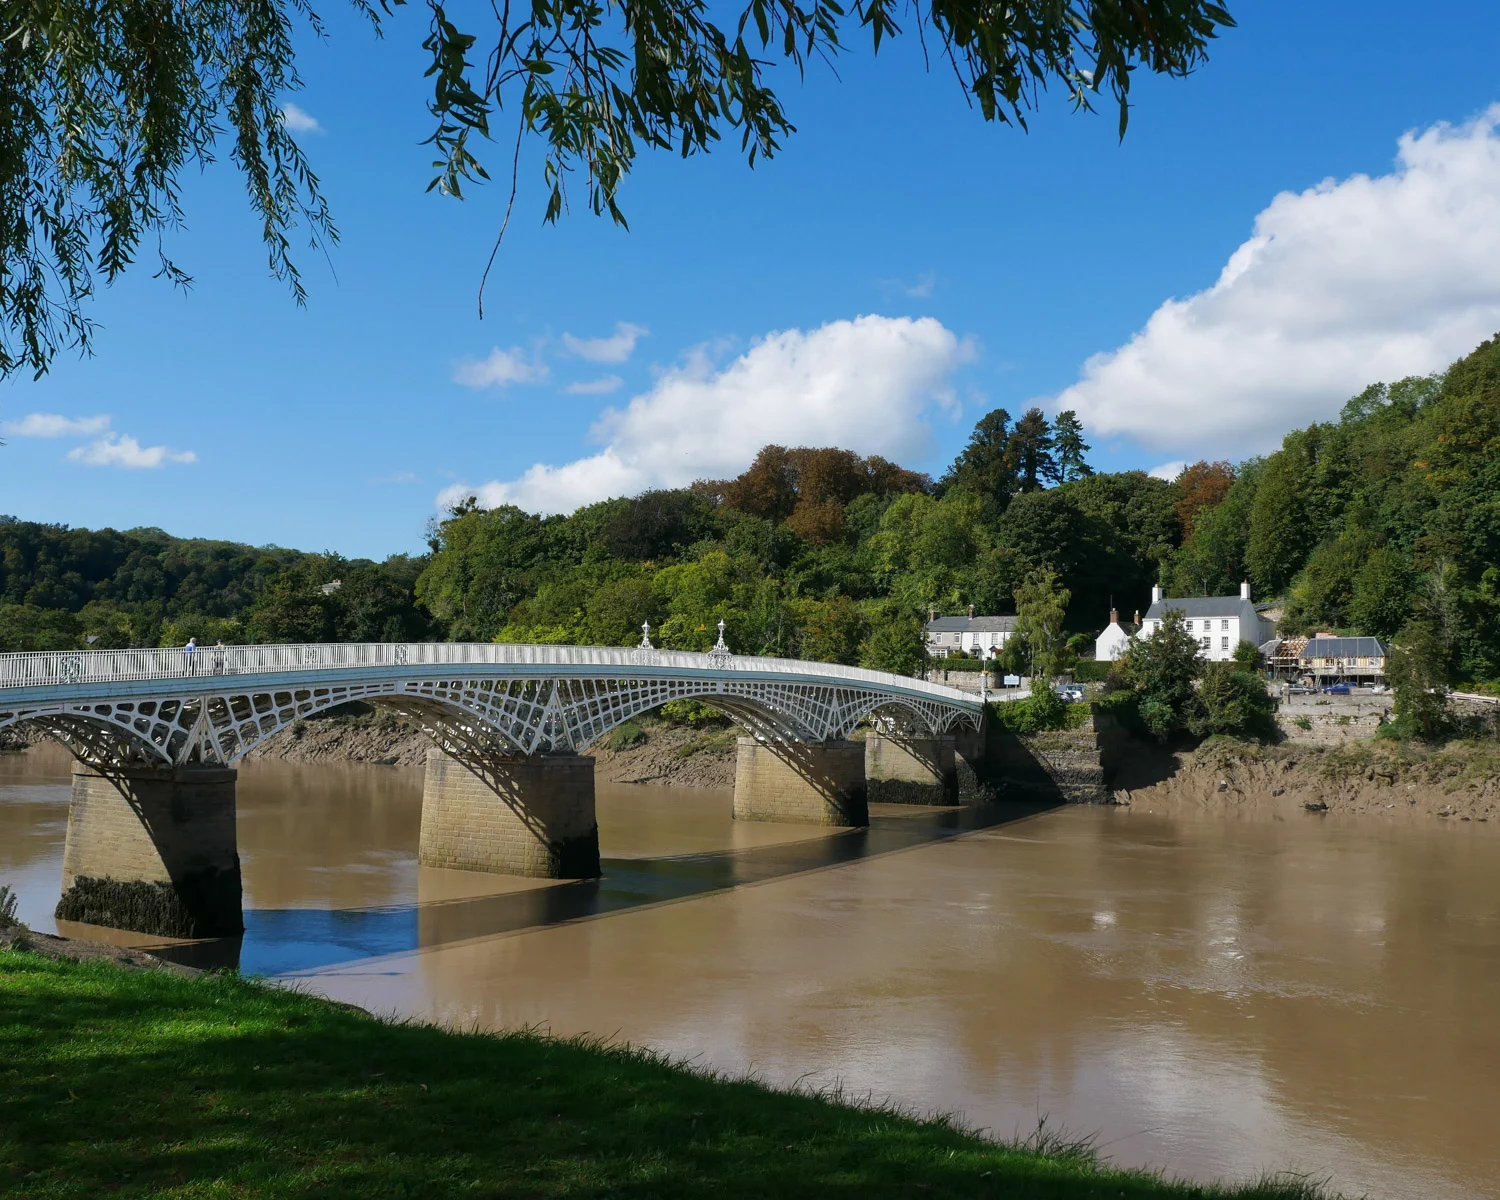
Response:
column 298, row 120
column 1168, row 470
column 594, row 387
column 922, row 289
column 924, row 285
column 1339, row 286
column 501, row 369
column 118, row 450
column 50, row 425
column 398, row 477
column 863, row 384
column 616, row 348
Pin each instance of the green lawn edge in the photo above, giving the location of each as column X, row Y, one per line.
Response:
column 146, row 1083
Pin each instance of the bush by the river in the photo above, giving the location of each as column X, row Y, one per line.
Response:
column 1163, row 688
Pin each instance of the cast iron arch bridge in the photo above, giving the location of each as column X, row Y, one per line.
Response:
column 170, row 707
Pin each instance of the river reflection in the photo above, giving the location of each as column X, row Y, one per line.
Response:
column 1215, row 997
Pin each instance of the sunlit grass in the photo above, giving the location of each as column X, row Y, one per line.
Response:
column 142, row 1083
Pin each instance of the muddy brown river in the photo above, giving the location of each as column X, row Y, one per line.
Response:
column 1212, row 997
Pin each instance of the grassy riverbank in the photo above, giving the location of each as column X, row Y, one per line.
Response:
column 144, row 1083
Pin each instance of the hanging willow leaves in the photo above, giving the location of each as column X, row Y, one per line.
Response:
column 104, row 103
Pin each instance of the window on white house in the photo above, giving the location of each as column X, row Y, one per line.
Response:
column 1223, row 643
column 1223, row 624
column 1203, row 643
column 1188, row 626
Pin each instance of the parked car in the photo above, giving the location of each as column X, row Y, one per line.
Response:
column 1336, row 689
column 1070, row 692
column 1298, row 689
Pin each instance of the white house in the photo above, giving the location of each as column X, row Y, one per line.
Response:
column 978, row 636
column 1114, row 641
column 1220, row 623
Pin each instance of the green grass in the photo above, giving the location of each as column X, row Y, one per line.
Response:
column 141, row 1083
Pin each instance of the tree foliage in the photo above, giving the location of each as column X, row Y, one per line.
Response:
column 1041, row 609
column 106, row 107
column 1203, row 485
column 1362, row 522
column 1070, row 448
column 1153, row 683
column 1419, row 681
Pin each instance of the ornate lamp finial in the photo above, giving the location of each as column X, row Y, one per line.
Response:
column 646, row 636
column 720, row 654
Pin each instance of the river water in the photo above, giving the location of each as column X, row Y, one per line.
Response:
column 1213, row 997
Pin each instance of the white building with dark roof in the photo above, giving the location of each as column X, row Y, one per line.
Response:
column 1111, row 645
column 1219, row 623
column 971, row 635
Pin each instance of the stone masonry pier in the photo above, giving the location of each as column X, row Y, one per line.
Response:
column 911, row 770
column 819, row 783
column 154, row 850
column 531, row 815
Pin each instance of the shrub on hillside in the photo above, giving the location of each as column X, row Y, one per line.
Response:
column 625, row 736
column 1232, row 701
column 692, row 712
column 1044, row 709
column 1091, row 670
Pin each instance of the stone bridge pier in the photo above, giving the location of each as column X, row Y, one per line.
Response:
column 905, row 768
column 527, row 815
column 809, row 783
column 153, row 849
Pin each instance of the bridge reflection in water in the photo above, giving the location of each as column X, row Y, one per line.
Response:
column 283, row 941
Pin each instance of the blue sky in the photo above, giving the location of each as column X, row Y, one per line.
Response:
column 900, row 268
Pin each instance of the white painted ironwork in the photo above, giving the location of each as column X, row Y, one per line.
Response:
column 474, row 700
column 720, row 655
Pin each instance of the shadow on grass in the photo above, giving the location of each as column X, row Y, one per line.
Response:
column 139, row 1083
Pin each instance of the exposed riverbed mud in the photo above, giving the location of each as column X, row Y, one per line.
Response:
column 669, row 754
column 1459, row 782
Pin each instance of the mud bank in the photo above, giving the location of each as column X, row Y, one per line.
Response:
column 668, row 754
column 1459, row 782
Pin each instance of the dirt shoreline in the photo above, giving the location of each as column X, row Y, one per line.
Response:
column 18, row 937
column 674, row 755
column 1459, row 782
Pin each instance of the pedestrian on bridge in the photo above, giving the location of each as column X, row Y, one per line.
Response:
column 188, row 653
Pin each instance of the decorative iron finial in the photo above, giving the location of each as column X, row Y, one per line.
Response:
column 720, row 654
column 646, row 637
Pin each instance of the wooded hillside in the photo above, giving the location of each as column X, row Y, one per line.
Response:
column 1389, row 515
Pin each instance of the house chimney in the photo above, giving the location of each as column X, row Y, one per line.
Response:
column 932, row 614
column 1114, row 617
column 1245, row 590
column 1156, row 593
column 1137, row 617
column 971, row 612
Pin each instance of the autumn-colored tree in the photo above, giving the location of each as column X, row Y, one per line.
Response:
column 885, row 477
column 1201, row 487
column 827, row 473
column 767, row 489
column 818, row 522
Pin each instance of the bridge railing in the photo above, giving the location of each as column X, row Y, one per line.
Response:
column 63, row 667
